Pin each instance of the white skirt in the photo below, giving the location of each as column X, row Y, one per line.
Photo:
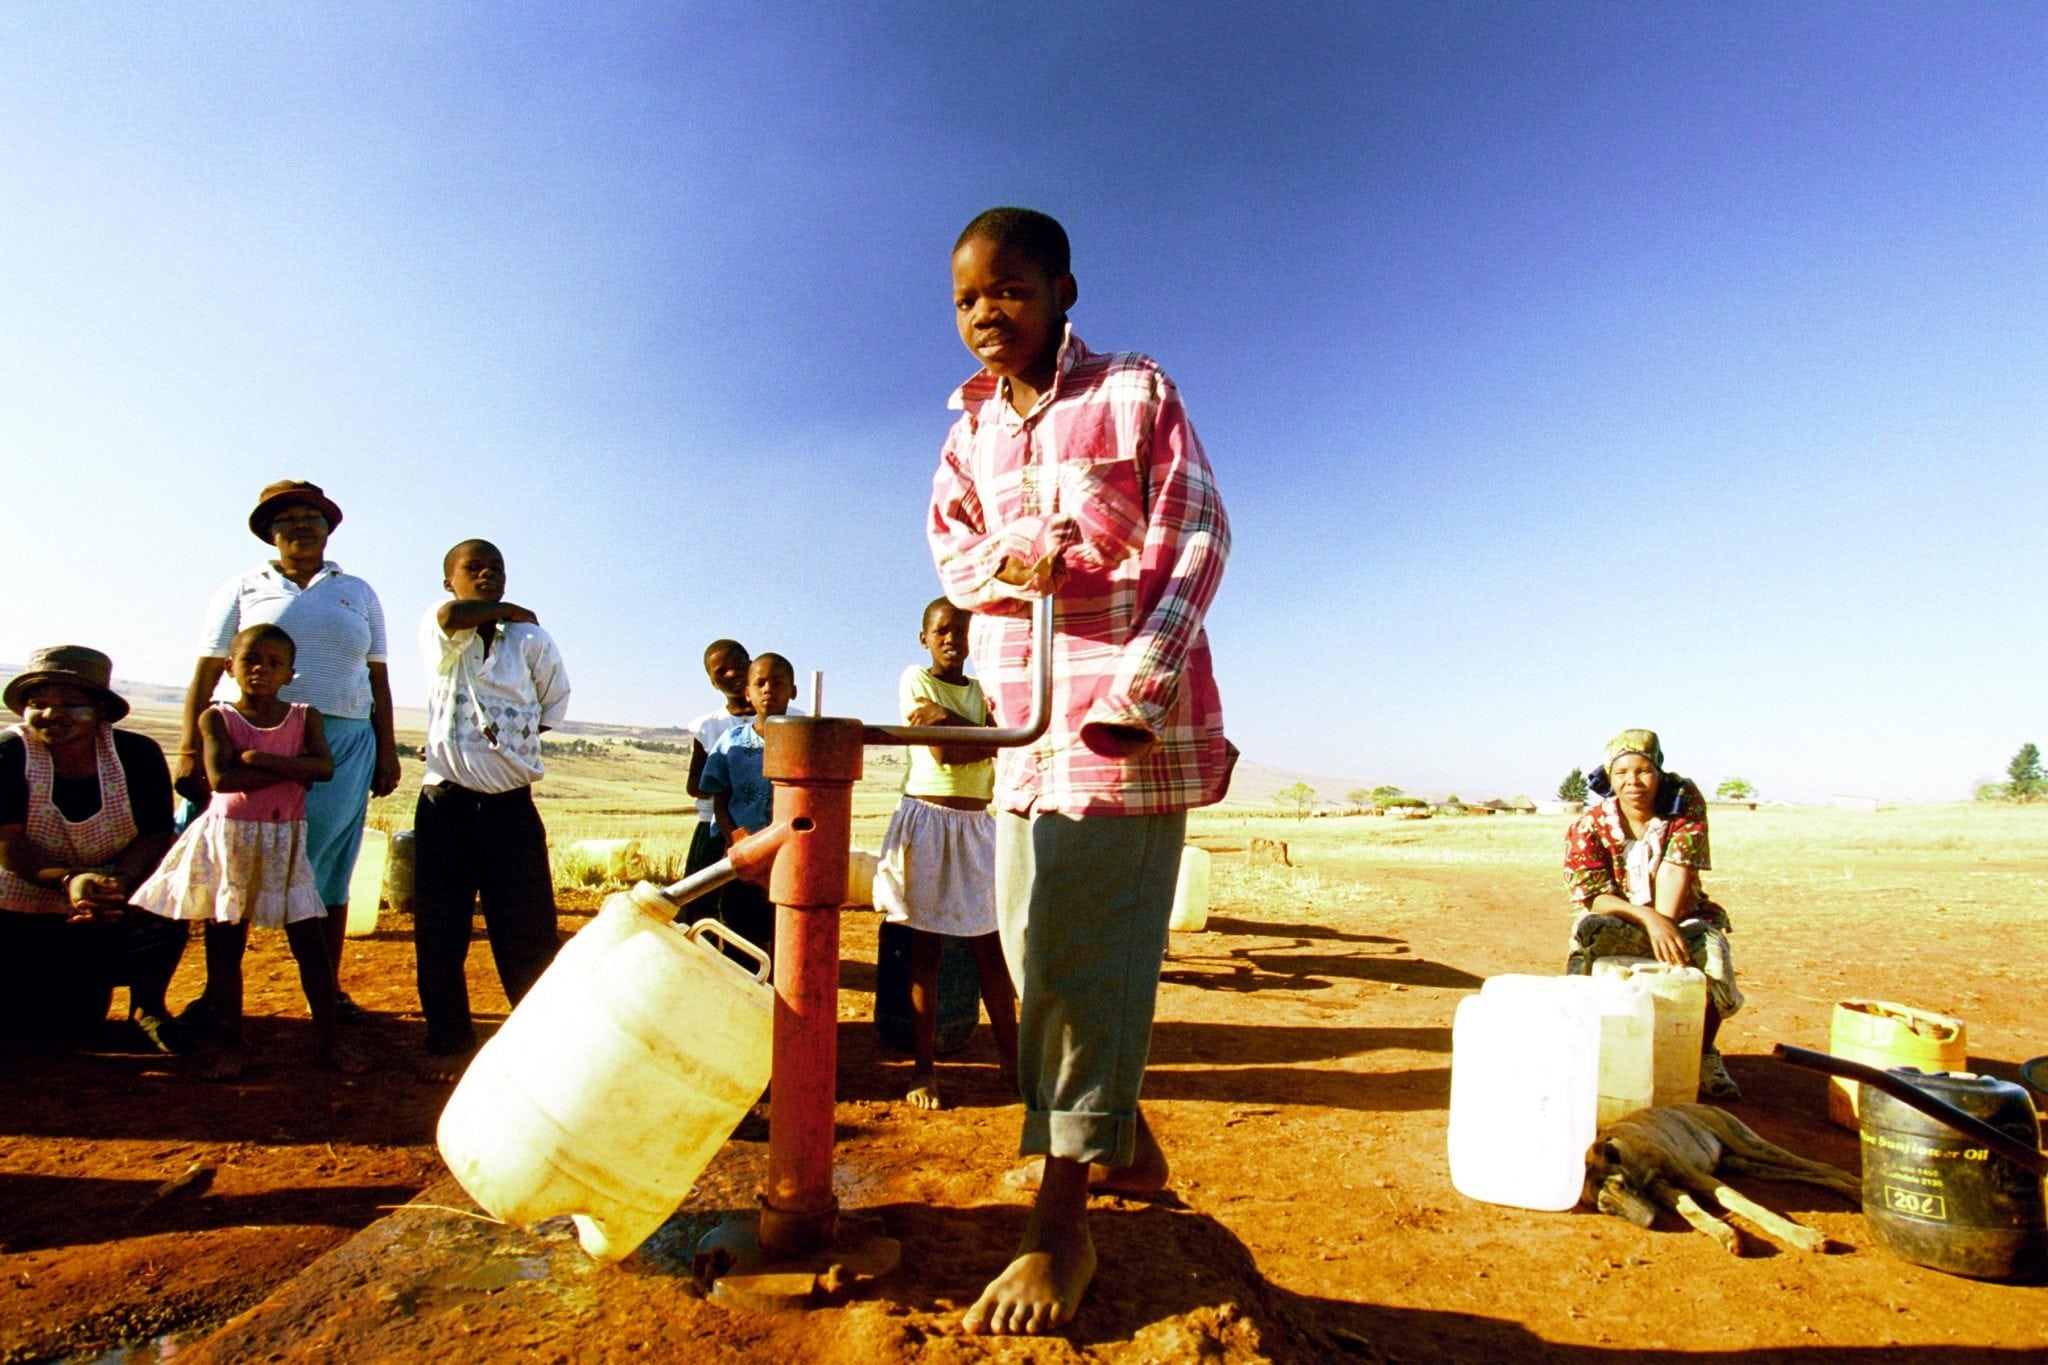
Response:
column 938, row 869
column 237, row 872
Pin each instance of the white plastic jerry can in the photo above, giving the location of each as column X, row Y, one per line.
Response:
column 366, row 884
column 1681, row 1000
column 1525, row 1075
column 1191, row 891
column 1628, row 1025
column 617, row 1079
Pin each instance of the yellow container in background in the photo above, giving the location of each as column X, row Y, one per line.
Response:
column 366, row 884
column 1884, row 1035
column 1191, row 892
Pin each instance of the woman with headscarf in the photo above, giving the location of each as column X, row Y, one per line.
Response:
column 85, row 813
column 337, row 623
column 1632, row 864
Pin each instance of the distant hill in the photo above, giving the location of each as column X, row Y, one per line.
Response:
column 156, row 706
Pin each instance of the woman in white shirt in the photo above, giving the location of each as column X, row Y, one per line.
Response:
column 337, row 623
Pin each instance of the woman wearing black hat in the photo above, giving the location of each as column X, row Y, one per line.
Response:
column 85, row 813
column 337, row 623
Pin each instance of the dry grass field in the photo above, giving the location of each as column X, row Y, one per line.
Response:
column 1299, row 1078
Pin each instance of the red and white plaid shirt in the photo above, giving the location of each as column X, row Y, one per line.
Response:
column 1107, row 470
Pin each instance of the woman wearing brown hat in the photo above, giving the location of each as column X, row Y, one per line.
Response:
column 338, row 625
column 85, row 813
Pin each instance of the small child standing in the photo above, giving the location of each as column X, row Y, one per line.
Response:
column 742, row 798
column 243, row 861
column 495, row 685
column 725, row 664
column 938, row 865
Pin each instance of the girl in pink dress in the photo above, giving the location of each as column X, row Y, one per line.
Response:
column 243, row 861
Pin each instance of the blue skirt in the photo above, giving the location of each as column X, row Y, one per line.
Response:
column 335, row 808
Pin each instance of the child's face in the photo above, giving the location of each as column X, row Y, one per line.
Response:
column 261, row 667
column 727, row 670
column 768, row 688
column 477, row 574
column 945, row 635
column 1009, row 313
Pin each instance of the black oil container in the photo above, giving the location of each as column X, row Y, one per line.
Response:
column 1937, row 1198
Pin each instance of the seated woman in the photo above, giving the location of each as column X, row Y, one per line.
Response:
column 1632, row 865
column 85, row 813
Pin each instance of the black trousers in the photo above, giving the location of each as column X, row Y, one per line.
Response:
column 470, row 846
column 57, row 978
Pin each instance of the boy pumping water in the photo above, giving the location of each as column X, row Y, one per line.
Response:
column 1076, row 474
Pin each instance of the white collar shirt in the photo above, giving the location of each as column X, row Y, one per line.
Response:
column 485, row 711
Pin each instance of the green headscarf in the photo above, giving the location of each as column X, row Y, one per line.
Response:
column 1642, row 742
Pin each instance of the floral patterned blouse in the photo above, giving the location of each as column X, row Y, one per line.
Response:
column 1596, row 852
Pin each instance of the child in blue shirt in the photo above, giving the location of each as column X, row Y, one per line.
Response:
column 742, row 797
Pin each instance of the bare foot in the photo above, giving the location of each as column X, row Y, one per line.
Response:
column 924, row 1092
column 346, row 1058
column 1040, row 1290
column 444, row 1069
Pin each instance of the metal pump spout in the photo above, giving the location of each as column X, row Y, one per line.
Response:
column 813, row 763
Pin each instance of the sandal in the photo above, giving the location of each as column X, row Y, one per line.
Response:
column 347, row 1011
column 1715, row 1082
column 164, row 1034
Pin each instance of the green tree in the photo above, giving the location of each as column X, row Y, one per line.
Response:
column 1736, row 789
column 2025, row 773
column 1382, row 795
column 1573, row 788
column 1359, row 796
column 1297, row 798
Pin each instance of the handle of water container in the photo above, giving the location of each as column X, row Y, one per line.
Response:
column 713, row 929
column 2035, row 1073
column 1913, row 1097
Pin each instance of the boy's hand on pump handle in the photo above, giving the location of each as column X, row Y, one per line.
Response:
column 1043, row 577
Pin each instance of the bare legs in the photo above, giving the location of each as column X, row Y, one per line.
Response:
column 225, row 945
column 927, row 953
column 1041, row 1289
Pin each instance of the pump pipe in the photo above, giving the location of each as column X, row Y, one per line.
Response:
column 750, row 858
column 813, row 762
column 1015, row 736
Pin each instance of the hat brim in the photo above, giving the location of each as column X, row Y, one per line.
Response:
column 19, row 687
column 259, row 520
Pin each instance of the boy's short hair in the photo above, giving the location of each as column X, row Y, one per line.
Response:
column 1037, row 235
column 925, row 621
column 448, row 560
column 718, row 647
column 778, row 663
column 250, row 635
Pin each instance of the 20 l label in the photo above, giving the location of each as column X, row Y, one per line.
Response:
column 1916, row 1203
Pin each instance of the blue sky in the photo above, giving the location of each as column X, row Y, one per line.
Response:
column 1564, row 367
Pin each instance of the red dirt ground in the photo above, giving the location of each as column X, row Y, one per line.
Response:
column 1299, row 1076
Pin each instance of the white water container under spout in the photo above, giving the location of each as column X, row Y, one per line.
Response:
column 616, row 1080
column 1681, row 995
column 1191, row 892
column 1525, row 1091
